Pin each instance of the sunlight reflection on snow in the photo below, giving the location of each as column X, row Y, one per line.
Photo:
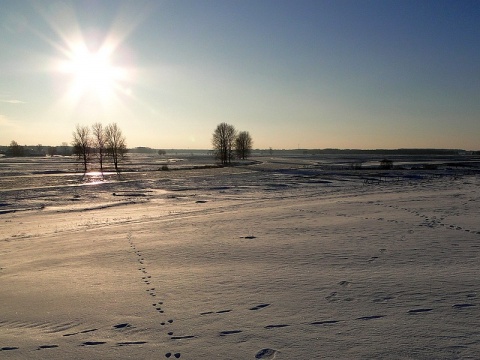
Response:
column 95, row 177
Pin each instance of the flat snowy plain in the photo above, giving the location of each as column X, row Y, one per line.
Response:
column 286, row 258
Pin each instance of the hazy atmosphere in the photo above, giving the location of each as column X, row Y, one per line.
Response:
column 241, row 180
column 308, row 74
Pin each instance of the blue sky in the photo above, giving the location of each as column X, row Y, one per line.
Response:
column 308, row 74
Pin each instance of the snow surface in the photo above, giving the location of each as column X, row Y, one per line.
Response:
column 266, row 261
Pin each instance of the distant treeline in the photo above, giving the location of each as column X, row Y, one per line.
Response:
column 390, row 151
column 142, row 150
column 147, row 150
column 35, row 150
column 66, row 150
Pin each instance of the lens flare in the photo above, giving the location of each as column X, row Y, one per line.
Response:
column 93, row 74
column 94, row 70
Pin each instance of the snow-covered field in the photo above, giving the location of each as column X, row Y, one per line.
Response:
column 281, row 259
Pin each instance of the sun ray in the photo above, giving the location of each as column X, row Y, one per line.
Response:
column 91, row 72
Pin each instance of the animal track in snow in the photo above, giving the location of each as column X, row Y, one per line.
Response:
column 276, row 326
column 258, row 307
column 216, row 312
column 331, row 296
column 127, row 343
column 151, row 291
column 433, row 221
column 80, row 332
column 93, row 343
column 254, row 308
column 169, row 354
column 47, row 347
column 462, row 306
column 325, row 322
column 122, row 326
column 371, row 317
column 418, row 311
column 182, row 337
column 229, row 332
column 266, row 354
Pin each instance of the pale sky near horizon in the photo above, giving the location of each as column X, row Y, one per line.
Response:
column 309, row 74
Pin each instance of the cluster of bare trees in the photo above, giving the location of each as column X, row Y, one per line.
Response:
column 102, row 142
column 227, row 143
column 15, row 150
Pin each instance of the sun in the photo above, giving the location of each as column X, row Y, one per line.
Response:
column 92, row 73
column 93, row 69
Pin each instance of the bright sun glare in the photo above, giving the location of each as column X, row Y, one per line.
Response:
column 93, row 73
column 95, row 68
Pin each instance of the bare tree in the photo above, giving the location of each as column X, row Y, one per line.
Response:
column 115, row 144
column 51, row 150
column 82, row 144
column 243, row 145
column 386, row 164
column 15, row 150
column 223, row 141
column 39, row 150
column 99, row 143
column 65, row 149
